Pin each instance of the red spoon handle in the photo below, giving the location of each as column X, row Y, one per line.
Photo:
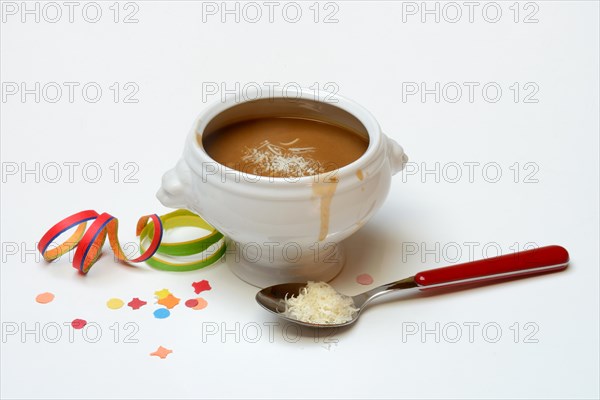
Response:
column 530, row 262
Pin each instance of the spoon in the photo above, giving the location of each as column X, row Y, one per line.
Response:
column 524, row 263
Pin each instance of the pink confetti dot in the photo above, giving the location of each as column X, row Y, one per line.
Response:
column 201, row 304
column 78, row 323
column 364, row 279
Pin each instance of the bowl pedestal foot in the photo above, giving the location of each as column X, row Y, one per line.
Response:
column 264, row 266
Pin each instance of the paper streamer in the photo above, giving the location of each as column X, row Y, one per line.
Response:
column 183, row 218
column 149, row 228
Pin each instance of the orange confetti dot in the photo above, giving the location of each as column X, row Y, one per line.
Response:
column 161, row 352
column 201, row 304
column 44, row 298
column 170, row 301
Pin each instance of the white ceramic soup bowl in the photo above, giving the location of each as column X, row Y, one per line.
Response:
column 284, row 229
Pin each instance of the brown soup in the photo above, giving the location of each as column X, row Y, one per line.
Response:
column 284, row 147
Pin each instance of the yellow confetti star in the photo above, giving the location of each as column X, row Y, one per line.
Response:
column 161, row 294
column 161, row 352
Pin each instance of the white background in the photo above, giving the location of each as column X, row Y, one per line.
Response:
column 367, row 55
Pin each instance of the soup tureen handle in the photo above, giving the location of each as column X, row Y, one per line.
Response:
column 175, row 186
column 396, row 155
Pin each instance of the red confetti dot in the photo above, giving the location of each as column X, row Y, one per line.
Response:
column 191, row 303
column 201, row 286
column 78, row 323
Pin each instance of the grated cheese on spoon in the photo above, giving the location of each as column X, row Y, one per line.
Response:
column 319, row 303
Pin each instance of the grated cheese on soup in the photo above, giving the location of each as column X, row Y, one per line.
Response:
column 271, row 159
column 319, row 303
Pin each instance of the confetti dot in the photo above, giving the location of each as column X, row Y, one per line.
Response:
column 364, row 279
column 161, row 352
column 201, row 304
column 201, row 286
column 191, row 303
column 162, row 313
column 161, row 294
column 44, row 298
column 136, row 303
column 78, row 323
column 170, row 301
column 114, row 303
